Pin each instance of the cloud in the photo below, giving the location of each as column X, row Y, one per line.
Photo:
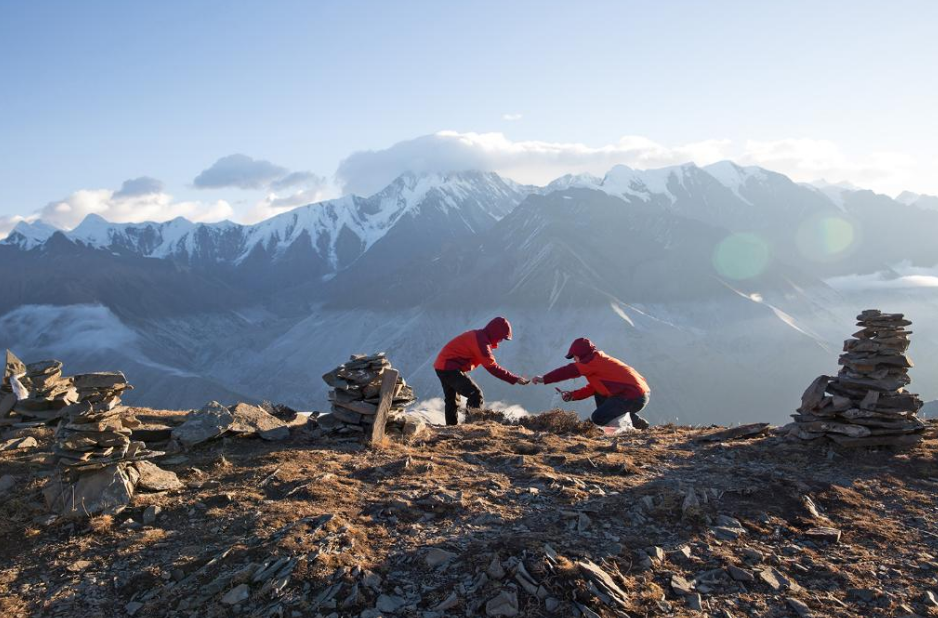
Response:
column 431, row 410
column 275, row 204
column 117, row 207
column 297, row 178
column 901, row 276
column 307, row 188
column 8, row 222
column 806, row 159
column 143, row 185
column 539, row 162
column 239, row 171
column 512, row 117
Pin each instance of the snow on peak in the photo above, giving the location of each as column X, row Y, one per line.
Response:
column 733, row 176
column 919, row 200
column 568, row 181
column 643, row 184
column 29, row 234
column 833, row 190
column 908, row 198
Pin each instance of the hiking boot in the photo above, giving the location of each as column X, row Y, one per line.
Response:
column 638, row 422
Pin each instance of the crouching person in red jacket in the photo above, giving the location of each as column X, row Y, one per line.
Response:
column 617, row 388
column 465, row 353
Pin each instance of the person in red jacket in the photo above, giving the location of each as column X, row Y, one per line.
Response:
column 617, row 388
column 465, row 353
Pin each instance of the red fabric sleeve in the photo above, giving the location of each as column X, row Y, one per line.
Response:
column 567, row 372
column 492, row 366
column 583, row 393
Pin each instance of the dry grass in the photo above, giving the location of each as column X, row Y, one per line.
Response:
column 493, row 487
column 101, row 524
column 558, row 422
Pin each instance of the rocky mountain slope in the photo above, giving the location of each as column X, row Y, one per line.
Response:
column 486, row 520
column 700, row 277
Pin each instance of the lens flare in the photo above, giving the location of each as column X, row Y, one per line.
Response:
column 741, row 256
column 825, row 238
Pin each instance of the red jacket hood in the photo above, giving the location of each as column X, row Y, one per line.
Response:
column 498, row 330
column 582, row 348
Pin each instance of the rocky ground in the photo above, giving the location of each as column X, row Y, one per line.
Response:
column 486, row 519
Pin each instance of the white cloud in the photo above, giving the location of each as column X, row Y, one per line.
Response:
column 534, row 161
column 119, row 207
column 902, row 276
column 432, row 410
column 7, row 223
column 69, row 212
column 805, row 159
column 539, row 162
column 512, row 117
column 275, row 204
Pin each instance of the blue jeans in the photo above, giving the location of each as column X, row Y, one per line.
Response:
column 611, row 408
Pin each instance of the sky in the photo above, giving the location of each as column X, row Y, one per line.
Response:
column 241, row 110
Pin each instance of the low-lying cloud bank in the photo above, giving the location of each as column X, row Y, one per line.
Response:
column 529, row 161
column 539, row 162
column 900, row 277
column 140, row 199
column 432, row 409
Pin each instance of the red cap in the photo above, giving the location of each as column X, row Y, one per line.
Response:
column 581, row 347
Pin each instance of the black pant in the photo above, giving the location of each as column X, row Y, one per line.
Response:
column 610, row 408
column 457, row 383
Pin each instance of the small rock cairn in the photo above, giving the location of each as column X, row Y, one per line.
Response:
column 866, row 404
column 356, row 398
column 47, row 391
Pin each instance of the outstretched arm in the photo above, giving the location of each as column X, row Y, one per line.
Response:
column 491, row 365
column 567, row 372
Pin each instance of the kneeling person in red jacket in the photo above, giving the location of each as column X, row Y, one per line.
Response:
column 465, row 353
column 617, row 388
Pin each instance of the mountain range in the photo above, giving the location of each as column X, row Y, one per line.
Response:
column 720, row 283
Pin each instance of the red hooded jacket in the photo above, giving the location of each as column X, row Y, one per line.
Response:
column 607, row 376
column 474, row 348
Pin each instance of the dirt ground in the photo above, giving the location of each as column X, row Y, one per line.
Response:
column 489, row 519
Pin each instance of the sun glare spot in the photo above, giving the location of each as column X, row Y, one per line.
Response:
column 825, row 238
column 741, row 256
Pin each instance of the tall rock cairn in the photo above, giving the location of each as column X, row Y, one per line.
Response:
column 355, row 395
column 866, row 403
column 93, row 450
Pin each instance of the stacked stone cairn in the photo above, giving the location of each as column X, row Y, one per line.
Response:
column 866, row 403
column 356, row 386
column 46, row 391
column 93, row 450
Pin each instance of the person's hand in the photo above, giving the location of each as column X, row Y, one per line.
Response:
column 565, row 395
column 537, row 380
column 523, row 380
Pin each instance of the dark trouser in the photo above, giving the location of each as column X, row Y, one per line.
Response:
column 611, row 408
column 457, row 383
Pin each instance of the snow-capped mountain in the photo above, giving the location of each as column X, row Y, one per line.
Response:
column 632, row 259
column 329, row 235
column 919, row 200
column 27, row 235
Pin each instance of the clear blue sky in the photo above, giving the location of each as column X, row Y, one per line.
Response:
column 95, row 93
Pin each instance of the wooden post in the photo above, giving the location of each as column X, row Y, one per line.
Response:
column 386, row 397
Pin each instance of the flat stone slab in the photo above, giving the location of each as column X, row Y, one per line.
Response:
column 108, row 490
column 154, row 478
column 740, row 432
